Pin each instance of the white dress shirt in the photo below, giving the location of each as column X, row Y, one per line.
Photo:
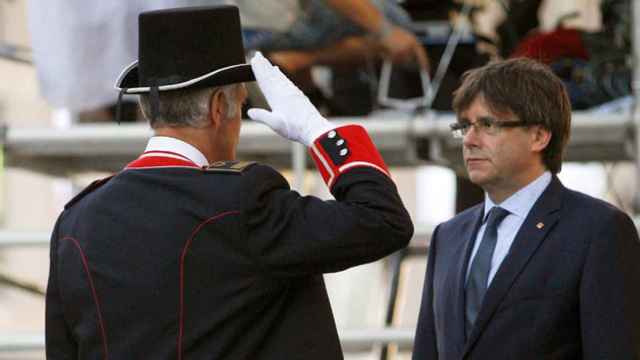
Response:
column 169, row 144
column 518, row 205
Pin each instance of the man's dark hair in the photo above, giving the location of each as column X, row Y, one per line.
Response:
column 527, row 89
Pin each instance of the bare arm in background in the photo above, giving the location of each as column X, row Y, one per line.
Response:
column 397, row 43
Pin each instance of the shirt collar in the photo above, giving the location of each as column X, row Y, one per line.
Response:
column 521, row 202
column 169, row 144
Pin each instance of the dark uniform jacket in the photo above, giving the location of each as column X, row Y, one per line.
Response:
column 167, row 260
column 569, row 287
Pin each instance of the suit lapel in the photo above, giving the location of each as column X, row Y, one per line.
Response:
column 458, row 275
column 541, row 219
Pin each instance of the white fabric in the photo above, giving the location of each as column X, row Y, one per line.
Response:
column 177, row 146
column 273, row 15
column 293, row 116
column 80, row 47
column 518, row 205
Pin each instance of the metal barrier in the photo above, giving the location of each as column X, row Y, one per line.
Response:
column 400, row 138
column 352, row 341
column 24, row 239
column 21, row 342
column 107, row 147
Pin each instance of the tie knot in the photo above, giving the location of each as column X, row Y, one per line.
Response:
column 496, row 215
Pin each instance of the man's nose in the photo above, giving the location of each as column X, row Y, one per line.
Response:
column 472, row 136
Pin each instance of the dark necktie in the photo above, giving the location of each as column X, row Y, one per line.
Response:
column 481, row 266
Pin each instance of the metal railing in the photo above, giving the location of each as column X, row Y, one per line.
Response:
column 352, row 341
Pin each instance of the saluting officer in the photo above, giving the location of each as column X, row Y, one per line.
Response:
column 189, row 254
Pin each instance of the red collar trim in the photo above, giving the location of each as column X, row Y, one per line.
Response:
column 159, row 159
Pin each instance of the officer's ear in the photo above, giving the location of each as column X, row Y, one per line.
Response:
column 217, row 108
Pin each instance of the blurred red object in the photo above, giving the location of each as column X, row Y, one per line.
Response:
column 551, row 46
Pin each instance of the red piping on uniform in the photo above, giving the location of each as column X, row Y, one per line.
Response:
column 95, row 295
column 167, row 152
column 182, row 256
column 151, row 162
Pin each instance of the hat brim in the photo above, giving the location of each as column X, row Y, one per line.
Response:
column 128, row 81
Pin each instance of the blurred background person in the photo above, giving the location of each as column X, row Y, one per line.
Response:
column 79, row 47
column 345, row 35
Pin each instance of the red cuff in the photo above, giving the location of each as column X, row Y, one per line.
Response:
column 344, row 148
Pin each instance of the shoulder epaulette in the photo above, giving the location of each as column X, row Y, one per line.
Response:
column 234, row 166
column 94, row 185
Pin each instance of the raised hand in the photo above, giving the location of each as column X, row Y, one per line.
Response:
column 292, row 115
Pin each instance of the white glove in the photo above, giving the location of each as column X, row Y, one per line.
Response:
column 293, row 116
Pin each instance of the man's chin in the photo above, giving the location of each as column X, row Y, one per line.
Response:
column 477, row 177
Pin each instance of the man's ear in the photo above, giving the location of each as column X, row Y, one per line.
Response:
column 540, row 138
column 217, row 109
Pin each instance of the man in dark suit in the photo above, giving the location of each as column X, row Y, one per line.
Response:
column 189, row 254
column 537, row 271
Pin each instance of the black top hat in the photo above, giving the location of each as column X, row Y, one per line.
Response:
column 186, row 48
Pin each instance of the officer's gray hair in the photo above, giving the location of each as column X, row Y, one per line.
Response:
column 188, row 108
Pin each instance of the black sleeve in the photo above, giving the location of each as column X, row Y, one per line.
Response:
column 425, row 343
column 610, row 292
column 297, row 235
column 58, row 338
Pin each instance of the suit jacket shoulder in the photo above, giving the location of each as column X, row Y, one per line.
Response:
column 576, row 200
column 591, row 216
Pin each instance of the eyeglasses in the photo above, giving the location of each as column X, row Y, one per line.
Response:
column 485, row 125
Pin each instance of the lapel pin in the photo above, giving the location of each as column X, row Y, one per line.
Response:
column 540, row 225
